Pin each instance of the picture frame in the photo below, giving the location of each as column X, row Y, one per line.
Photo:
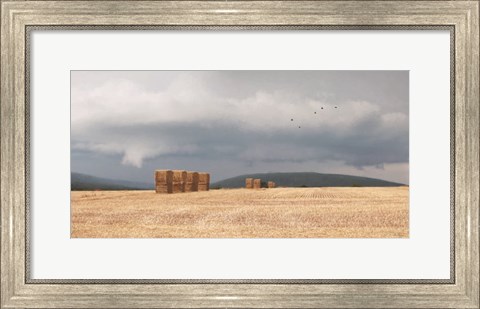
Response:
column 20, row 17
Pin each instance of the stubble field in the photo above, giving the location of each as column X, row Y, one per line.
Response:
column 242, row 213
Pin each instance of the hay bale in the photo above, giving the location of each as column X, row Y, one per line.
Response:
column 164, row 188
column 257, row 183
column 249, row 183
column 271, row 184
column 163, row 175
column 203, row 181
column 179, row 181
column 163, row 181
column 192, row 182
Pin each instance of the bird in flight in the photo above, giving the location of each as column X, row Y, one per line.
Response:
column 313, row 113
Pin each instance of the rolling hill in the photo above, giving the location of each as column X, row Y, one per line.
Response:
column 83, row 182
column 306, row 179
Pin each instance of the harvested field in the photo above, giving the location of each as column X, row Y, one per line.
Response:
column 242, row 213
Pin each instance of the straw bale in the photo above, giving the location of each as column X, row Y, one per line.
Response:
column 249, row 183
column 192, row 182
column 271, row 184
column 203, row 181
column 257, row 183
column 167, row 188
column 163, row 175
column 179, row 181
column 179, row 176
column 163, row 181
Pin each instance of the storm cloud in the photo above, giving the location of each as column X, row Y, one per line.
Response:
column 128, row 123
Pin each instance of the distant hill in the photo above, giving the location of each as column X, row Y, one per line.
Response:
column 83, row 182
column 306, row 180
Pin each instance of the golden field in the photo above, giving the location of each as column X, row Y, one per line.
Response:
column 242, row 213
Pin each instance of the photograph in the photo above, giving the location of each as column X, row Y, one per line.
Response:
column 239, row 154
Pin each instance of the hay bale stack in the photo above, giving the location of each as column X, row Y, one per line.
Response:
column 249, row 183
column 203, row 181
column 257, row 183
column 192, row 182
column 271, row 184
column 179, row 181
column 163, row 181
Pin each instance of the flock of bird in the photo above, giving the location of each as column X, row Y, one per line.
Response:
column 313, row 112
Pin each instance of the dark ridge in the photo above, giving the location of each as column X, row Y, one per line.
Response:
column 83, row 182
column 307, row 179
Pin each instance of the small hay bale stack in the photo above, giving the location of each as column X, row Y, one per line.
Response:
column 271, row 184
column 192, row 182
column 163, row 181
column 179, row 181
column 257, row 183
column 249, row 183
column 203, row 181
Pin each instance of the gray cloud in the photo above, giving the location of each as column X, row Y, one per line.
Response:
column 235, row 122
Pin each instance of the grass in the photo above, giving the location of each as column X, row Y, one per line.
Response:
column 242, row 213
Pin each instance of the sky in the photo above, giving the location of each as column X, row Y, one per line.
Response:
column 126, row 124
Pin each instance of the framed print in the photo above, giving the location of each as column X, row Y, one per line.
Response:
column 204, row 154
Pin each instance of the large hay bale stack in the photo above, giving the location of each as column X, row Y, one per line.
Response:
column 257, row 183
column 271, row 184
column 179, row 181
column 163, row 181
column 192, row 182
column 249, row 183
column 203, row 181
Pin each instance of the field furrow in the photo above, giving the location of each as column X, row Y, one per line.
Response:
column 241, row 213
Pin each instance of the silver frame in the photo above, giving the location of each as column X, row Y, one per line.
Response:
column 28, row 279
column 20, row 17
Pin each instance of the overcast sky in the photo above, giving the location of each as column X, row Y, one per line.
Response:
column 126, row 124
